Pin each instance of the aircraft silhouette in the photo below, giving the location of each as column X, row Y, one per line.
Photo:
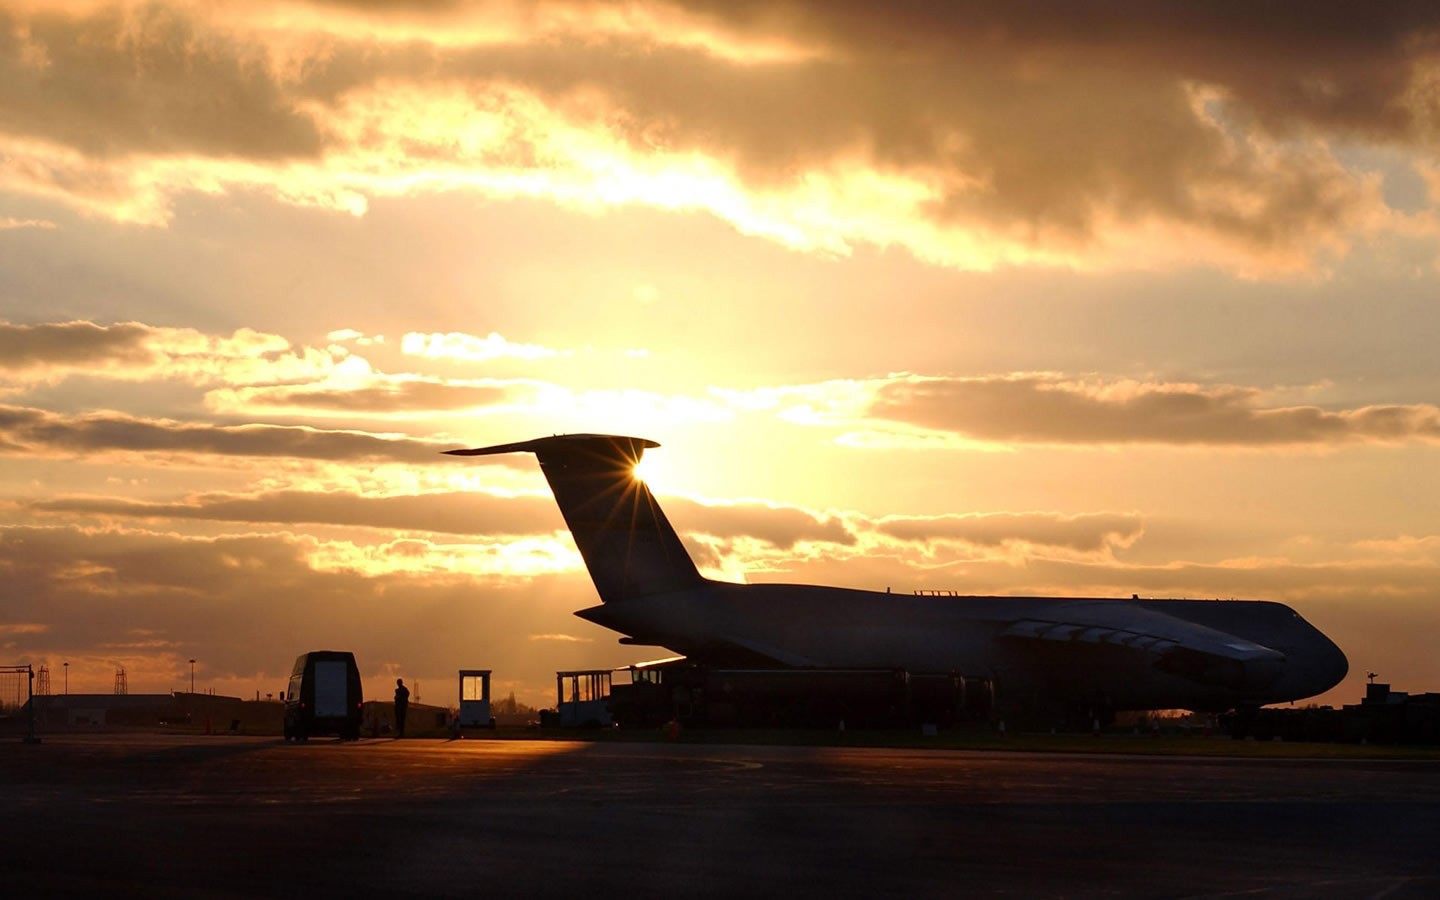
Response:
column 1100, row 653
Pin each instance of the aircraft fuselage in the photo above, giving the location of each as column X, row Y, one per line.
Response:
column 1122, row 653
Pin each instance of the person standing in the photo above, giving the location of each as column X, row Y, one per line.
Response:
column 402, row 703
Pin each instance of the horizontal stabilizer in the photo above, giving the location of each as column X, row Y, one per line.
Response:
column 560, row 443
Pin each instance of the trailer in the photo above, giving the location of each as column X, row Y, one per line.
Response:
column 582, row 699
column 650, row 694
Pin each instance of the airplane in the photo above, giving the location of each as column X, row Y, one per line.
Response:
column 1062, row 652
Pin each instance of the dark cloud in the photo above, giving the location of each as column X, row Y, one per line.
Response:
column 454, row 513
column 42, row 432
column 1028, row 115
column 393, row 396
column 980, row 124
column 1041, row 122
column 146, row 79
column 1330, row 64
column 1088, row 533
column 782, row 527
column 27, row 346
column 1045, row 410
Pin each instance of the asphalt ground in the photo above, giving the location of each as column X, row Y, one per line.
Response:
column 227, row 816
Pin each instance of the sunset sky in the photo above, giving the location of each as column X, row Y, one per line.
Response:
column 1034, row 298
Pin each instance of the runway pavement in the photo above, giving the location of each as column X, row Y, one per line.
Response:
column 225, row 816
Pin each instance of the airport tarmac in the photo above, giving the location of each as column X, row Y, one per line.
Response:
column 226, row 816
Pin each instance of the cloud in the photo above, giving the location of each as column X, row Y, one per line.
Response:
column 1276, row 578
column 779, row 526
column 1088, row 533
column 14, row 628
column 725, row 538
column 383, row 395
column 1353, row 572
column 148, row 80
column 1050, row 409
column 460, row 513
column 11, row 223
column 246, row 605
column 40, row 432
column 448, row 513
column 469, row 348
column 74, row 344
column 250, row 370
column 1189, row 137
column 357, row 389
column 1348, row 68
column 133, row 351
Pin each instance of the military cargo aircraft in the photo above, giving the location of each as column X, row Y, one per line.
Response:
column 1098, row 653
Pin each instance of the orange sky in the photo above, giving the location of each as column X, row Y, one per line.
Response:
column 1041, row 298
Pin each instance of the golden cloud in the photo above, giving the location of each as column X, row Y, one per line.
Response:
column 974, row 136
column 1050, row 409
column 10, row 223
column 469, row 348
column 132, row 351
column 1090, row 533
column 44, row 433
column 445, row 513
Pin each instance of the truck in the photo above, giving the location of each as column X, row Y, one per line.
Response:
column 324, row 696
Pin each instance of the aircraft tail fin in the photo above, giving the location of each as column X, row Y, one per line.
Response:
column 627, row 543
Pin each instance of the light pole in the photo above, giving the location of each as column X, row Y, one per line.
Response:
column 192, row 676
column 67, row 679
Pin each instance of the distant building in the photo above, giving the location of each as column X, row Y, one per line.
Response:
column 1382, row 717
column 211, row 711
column 1393, row 717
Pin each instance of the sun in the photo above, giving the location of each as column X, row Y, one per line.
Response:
column 645, row 470
column 654, row 471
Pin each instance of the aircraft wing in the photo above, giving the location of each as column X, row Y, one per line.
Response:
column 1176, row 646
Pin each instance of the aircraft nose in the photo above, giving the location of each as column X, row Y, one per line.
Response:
column 1316, row 669
column 1330, row 667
